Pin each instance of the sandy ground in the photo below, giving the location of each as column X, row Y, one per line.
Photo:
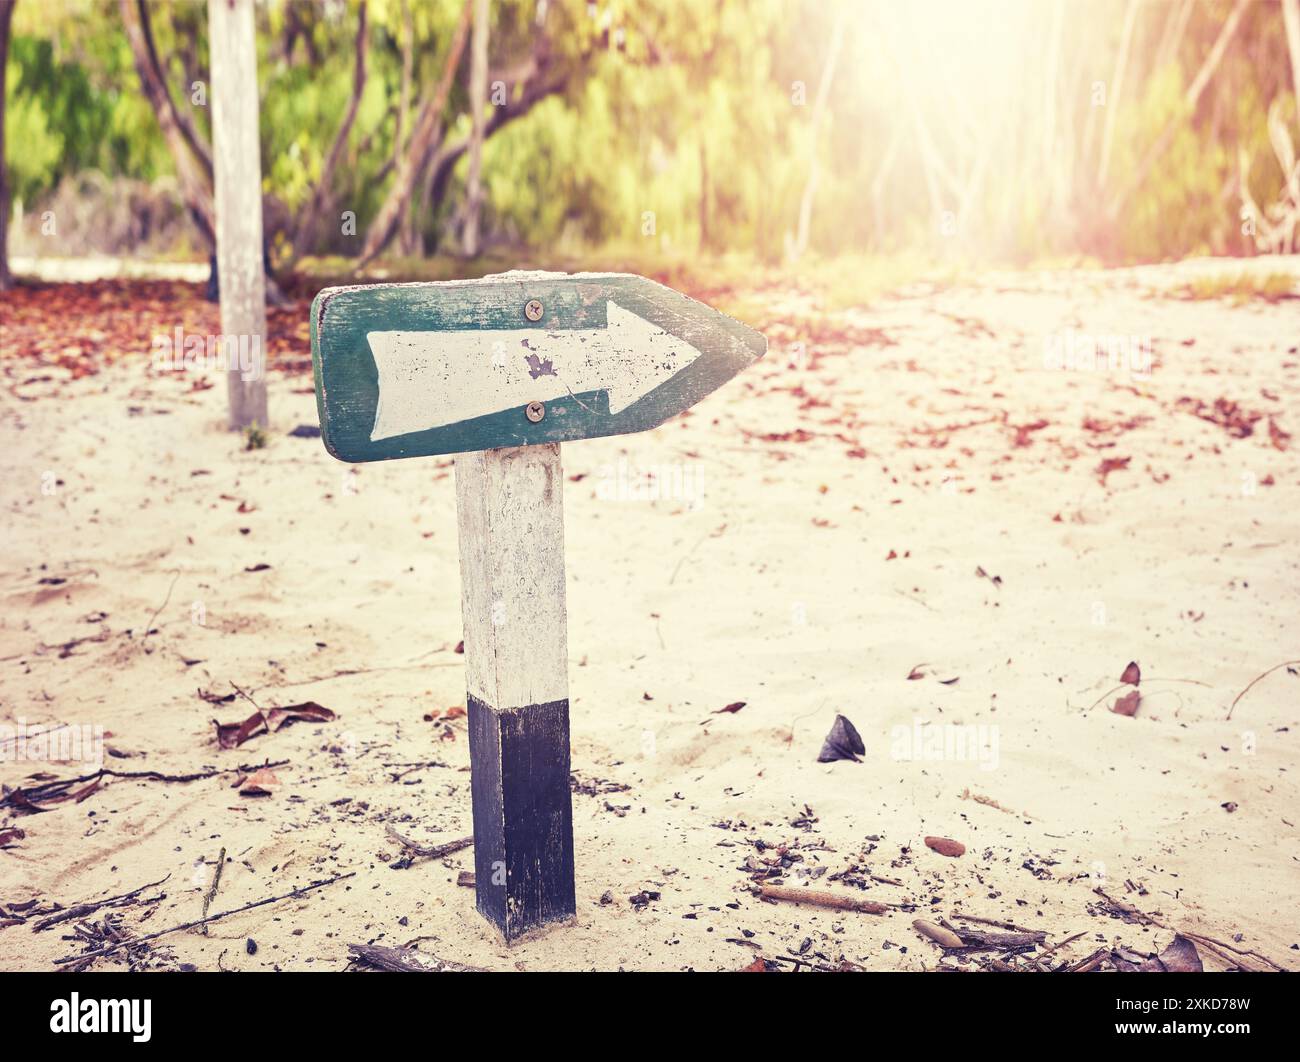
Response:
column 907, row 484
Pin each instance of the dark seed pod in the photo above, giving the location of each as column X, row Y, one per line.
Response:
column 842, row 743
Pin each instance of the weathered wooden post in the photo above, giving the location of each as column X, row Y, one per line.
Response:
column 510, row 508
column 237, row 162
column 500, row 371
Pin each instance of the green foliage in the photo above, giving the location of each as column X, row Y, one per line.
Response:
column 679, row 128
column 1244, row 286
column 255, row 437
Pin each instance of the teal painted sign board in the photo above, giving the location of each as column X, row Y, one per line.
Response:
column 413, row 370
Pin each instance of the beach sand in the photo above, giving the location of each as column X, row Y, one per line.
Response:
column 905, row 489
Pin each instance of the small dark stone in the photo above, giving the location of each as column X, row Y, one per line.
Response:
column 251, row 946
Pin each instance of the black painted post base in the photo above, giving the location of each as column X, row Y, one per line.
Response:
column 523, row 815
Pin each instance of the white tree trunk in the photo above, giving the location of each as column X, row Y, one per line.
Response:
column 795, row 248
column 238, row 174
column 1114, row 90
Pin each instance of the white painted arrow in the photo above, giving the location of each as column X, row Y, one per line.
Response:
column 431, row 379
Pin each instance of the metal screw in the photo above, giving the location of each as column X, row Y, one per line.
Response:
column 534, row 411
column 533, row 311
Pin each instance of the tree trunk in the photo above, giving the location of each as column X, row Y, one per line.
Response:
column 800, row 243
column 1113, row 95
column 1172, row 37
column 1193, row 96
column 6, row 18
column 192, row 180
column 183, row 121
column 1291, row 21
column 446, row 157
column 322, row 198
column 706, row 194
column 478, row 72
column 423, row 140
column 238, row 165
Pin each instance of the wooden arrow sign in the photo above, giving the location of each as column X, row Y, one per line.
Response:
column 500, row 371
column 411, row 370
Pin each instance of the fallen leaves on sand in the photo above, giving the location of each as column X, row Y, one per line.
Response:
column 8, row 837
column 731, row 708
column 50, row 790
column 1180, row 957
column 456, row 711
column 232, row 735
column 842, row 743
column 1279, row 438
column 1109, row 465
column 996, row 580
column 1132, row 674
column 920, row 672
column 1024, row 432
column 946, row 846
column 1128, row 704
column 50, row 793
column 1233, row 418
column 261, row 783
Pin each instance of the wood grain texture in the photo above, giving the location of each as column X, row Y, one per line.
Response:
column 510, row 512
column 523, row 816
column 510, row 509
column 237, row 162
column 347, row 377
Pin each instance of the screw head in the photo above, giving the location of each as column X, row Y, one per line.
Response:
column 535, row 411
column 533, row 310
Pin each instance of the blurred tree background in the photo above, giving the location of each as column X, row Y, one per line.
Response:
column 771, row 130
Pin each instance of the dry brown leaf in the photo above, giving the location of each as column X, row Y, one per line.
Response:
column 1128, row 704
column 946, row 846
column 308, row 711
column 260, row 783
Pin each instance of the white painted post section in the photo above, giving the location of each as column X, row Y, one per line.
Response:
column 509, row 506
column 237, row 160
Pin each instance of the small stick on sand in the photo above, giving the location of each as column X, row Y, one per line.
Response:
column 202, row 921
column 437, row 852
column 80, row 910
column 822, row 899
column 992, row 922
column 212, row 891
column 1285, row 663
